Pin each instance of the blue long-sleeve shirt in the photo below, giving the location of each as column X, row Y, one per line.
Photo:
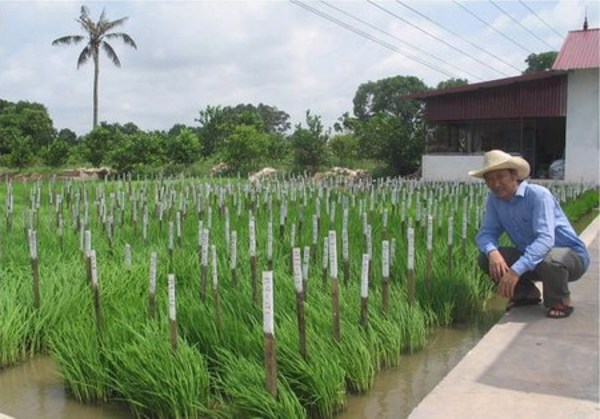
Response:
column 534, row 222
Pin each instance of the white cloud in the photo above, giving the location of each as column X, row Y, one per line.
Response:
column 192, row 54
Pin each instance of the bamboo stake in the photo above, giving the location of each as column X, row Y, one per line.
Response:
column 364, row 292
column 204, row 264
column 172, row 312
column 269, row 334
column 411, row 265
column 152, row 287
column 93, row 270
column 385, row 268
column 215, row 290
column 335, row 297
column 35, row 269
column 253, row 271
column 298, row 283
column 233, row 258
column 429, row 264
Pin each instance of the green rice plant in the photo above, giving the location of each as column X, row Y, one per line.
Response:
column 319, row 381
column 241, row 382
column 80, row 360
column 155, row 381
column 14, row 327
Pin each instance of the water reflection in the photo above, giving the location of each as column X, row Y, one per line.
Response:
column 34, row 389
column 398, row 391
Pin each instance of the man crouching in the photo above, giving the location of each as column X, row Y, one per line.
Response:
column 546, row 247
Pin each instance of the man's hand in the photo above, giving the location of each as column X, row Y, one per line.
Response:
column 506, row 285
column 497, row 265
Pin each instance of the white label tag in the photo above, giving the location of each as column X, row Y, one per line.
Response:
column 252, row 233
column 385, row 258
column 364, row 277
column 297, row 269
column 233, row 261
column 429, row 232
column 213, row 251
column 268, row 321
column 93, row 268
column 411, row 249
column 333, row 268
column 153, row 273
column 172, row 309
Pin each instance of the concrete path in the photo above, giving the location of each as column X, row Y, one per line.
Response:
column 529, row 366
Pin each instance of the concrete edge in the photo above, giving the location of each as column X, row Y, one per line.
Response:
column 591, row 231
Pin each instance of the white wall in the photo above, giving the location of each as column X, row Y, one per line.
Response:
column 582, row 147
column 450, row 166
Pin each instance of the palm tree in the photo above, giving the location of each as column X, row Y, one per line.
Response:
column 97, row 34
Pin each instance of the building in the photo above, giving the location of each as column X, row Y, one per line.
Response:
column 549, row 118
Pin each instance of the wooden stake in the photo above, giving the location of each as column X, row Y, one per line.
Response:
column 411, row 265
column 172, row 312
column 385, row 261
column 35, row 269
column 364, row 292
column 298, row 283
column 335, row 297
column 152, row 287
column 96, row 295
column 269, row 334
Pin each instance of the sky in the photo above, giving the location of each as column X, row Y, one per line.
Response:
column 294, row 55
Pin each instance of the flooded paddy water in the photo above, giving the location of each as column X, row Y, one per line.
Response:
column 34, row 389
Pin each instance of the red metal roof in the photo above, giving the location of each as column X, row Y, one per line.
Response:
column 534, row 95
column 524, row 78
column 579, row 51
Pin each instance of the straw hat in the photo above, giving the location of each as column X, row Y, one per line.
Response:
column 497, row 160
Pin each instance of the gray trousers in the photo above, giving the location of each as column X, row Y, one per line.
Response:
column 560, row 266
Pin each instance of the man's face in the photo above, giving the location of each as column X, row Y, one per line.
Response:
column 503, row 183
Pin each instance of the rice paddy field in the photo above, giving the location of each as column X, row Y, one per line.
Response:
column 187, row 297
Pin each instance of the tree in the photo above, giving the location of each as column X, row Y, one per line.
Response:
column 384, row 96
column 245, row 149
column 310, row 144
column 218, row 123
column 540, row 62
column 389, row 126
column 452, row 82
column 183, row 148
column 99, row 143
column 25, row 119
column 97, row 34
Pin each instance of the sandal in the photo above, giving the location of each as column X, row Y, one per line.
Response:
column 560, row 311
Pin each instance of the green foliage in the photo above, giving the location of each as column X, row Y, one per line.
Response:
column 99, row 142
column 183, row 148
column 576, row 209
column 390, row 129
column 540, row 62
column 245, row 149
column 218, row 123
column 25, row 119
column 383, row 96
column 133, row 152
column 345, row 149
column 57, row 153
column 21, row 153
column 392, row 141
column 310, row 145
column 452, row 82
